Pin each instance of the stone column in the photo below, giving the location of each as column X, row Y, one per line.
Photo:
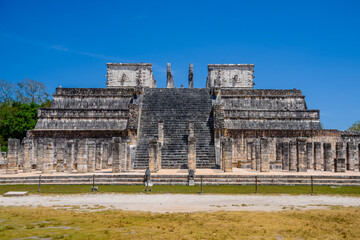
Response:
column 279, row 147
column 191, row 76
column 310, row 156
column 226, row 152
column 339, row 165
column 153, row 154
column 128, row 156
column 265, row 155
column 257, row 154
column 47, row 164
column 351, row 156
column 161, row 132
column 82, row 156
column 105, row 156
column 327, row 157
column 301, row 155
column 40, row 154
column 27, row 156
column 91, row 160
column 170, row 79
column 70, row 156
column 116, row 154
column 318, row 157
column 285, row 157
column 253, row 156
column 59, row 158
column 192, row 153
column 292, row 156
column 340, row 150
column 12, row 156
column 98, row 156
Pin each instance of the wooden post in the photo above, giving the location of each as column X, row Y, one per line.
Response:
column 39, row 182
column 256, row 190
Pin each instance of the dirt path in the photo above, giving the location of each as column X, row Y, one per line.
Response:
column 182, row 203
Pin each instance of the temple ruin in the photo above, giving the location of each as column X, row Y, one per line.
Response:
column 229, row 124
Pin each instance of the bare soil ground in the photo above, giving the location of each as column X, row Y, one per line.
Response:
column 160, row 203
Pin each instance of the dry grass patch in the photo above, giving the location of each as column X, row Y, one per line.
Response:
column 337, row 223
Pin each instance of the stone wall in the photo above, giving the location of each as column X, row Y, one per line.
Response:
column 230, row 75
column 129, row 75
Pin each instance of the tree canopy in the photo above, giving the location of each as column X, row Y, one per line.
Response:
column 19, row 103
column 355, row 127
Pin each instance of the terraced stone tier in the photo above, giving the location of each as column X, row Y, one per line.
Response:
column 176, row 108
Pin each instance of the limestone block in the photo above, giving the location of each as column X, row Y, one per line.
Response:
column 60, row 157
column 91, row 156
column 230, row 75
column 117, row 141
column 352, row 156
column 12, row 156
column 40, row 154
column 69, row 156
column 82, row 156
column 129, row 75
column 153, row 145
column 339, row 165
column 253, row 156
column 327, row 157
column 265, row 155
column 279, row 151
column 27, row 155
column 318, row 156
column 191, row 153
column 292, row 156
column 226, row 154
column 99, row 156
column 285, row 157
column 301, row 155
column 105, row 155
column 257, row 154
column 47, row 163
column 310, row 155
column 340, row 150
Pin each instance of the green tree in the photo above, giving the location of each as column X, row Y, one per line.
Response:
column 16, row 119
column 19, row 103
column 355, row 127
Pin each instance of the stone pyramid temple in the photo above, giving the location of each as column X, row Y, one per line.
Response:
column 131, row 124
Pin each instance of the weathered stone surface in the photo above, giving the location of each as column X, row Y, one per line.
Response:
column 47, row 163
column 230, row 75
column 265, row 155
column 153, row 148
column 13, row 156
column 226, row 145
column 292, row 156
column 27, row 155
column 352, row 156
column 192, row 152
column 82, row 156
column 191, row 76
column 318, row 156
column 328, row 157
column 170, row 78
column 91, row 156
column 301, row 155
column 60, row 158
column 339, row 165
column 309, row 155
column 285, row 157
column 129, row 75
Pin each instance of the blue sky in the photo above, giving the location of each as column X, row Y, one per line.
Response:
column 309, row 45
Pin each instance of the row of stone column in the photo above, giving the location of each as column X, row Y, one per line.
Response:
column 89, row 156
column 301, row 155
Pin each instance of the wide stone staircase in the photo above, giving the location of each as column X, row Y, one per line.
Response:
column 176, row 108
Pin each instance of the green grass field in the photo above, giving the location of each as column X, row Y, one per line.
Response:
column 47, row 223
column 207, row 189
